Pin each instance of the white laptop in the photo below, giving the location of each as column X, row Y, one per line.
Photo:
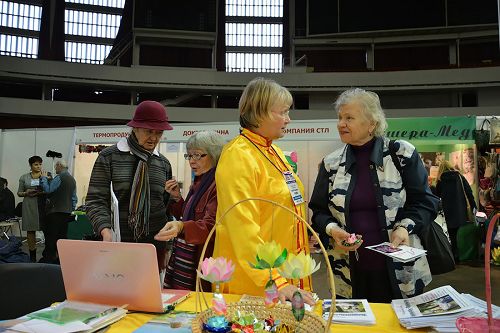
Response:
column 115, row 274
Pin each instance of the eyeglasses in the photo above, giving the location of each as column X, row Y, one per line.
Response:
column 195, row 157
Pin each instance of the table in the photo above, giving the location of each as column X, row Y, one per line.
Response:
column 387, row 321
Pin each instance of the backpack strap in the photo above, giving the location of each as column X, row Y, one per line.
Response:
column 395, row 160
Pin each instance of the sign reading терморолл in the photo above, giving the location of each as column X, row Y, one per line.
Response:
column 432, row 129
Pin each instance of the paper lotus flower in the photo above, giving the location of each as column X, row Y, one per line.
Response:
column 495, row 255
column 269, row 255
column 298, row 266
column 216, row 270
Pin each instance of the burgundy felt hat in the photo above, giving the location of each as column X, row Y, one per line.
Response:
column 150, row 115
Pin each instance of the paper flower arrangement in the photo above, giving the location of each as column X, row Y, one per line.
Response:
column 298, row 266
column 352, row 240
column 270, row 255
column 216, row 271
column 291, row 266
column 495, row 255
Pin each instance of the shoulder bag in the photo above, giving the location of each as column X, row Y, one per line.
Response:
column 470, row 214
column 432, row 236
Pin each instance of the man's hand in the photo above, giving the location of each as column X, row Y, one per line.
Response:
column 170, row 230
column 287, row 292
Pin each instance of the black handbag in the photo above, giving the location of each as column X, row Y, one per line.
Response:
column 482, row 137
column 439, row 254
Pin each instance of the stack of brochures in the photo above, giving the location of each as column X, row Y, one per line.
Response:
column 401, row 253
column 349, row 311
column 69, row 316
column 439, row 309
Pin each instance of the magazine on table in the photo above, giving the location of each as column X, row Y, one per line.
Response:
column 402, row 253
column 350, row 311
column 70, row 316
column 439, row 309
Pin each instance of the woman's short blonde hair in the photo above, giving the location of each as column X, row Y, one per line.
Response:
column 256, row 101
column 370, row 105
column 443, row 167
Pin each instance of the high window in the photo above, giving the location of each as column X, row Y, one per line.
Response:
column 91, row 27
column 19, row 28
column 254, row 36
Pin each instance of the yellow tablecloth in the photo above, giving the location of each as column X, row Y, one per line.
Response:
column 387, row 321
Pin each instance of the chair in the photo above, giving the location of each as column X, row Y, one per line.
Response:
column 27, row 287
column 5, row 227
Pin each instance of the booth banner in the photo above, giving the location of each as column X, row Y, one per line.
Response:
column 300, row 130
column 432, row 129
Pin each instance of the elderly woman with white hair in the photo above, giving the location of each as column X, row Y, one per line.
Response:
column 197, row 212
column 377, row 189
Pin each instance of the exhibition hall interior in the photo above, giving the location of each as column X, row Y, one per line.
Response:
column 79, row 79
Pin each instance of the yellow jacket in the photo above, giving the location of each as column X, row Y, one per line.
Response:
column 244, row 172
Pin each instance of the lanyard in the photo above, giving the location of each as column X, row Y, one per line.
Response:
column 274, row 165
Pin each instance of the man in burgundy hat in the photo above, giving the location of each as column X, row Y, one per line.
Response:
column 137, row 173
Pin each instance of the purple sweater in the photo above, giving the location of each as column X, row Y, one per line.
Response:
column 363, row 212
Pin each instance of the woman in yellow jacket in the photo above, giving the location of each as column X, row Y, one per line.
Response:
column 252, row 167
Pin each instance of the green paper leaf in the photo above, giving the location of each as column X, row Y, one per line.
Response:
column 264, row 264
column 281, row 259
column 255, row 266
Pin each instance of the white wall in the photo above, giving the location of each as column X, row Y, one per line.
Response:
column 17, row 146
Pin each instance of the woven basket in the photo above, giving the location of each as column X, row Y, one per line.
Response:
column 311, row 323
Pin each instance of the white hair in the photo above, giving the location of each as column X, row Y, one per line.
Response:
column 370, row 106
column 62, row 164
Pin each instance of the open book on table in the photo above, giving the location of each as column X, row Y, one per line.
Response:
column 70, row 316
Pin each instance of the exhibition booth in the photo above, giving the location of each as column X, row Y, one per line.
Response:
column 306, row 142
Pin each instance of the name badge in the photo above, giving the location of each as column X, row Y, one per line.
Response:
column 293, row 188
column 35, row 182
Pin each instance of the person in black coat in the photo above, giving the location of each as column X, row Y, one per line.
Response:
column 7, row 201
column 449, row 189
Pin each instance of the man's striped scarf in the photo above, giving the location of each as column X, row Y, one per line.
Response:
column 138, row 218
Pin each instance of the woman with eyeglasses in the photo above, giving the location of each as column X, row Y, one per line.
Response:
column 196, row 213
column 251, row 166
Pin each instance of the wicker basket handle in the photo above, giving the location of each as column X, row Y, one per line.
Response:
column 199, row 289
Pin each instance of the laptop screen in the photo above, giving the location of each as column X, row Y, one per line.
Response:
column 111, row 273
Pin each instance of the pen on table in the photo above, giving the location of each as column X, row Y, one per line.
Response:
column 105, row 312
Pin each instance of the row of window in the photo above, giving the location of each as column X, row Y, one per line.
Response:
column 259, row 8
column 82, row 23
column 20, row 16
column 91, row 24
column 18, row 46
column 254, row 35
column 104, row 3
column 254, row 62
